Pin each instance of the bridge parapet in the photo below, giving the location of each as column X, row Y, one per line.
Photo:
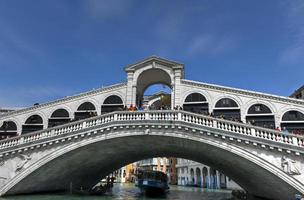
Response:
column 265, row 135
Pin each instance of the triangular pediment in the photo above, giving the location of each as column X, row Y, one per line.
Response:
column 154, row 60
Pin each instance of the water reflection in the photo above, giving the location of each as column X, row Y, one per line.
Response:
column 130, row 192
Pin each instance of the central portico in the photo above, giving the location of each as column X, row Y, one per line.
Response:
column 153, row 70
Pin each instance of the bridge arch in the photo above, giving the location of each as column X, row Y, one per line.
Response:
column 227, row 106
column 8, row 129
column 292, row 120
column 58, row 117
column 33, row 122
column 65, row 107
column 202, row 101
column 112, row 102
column 85, row 109
column 261, row 114
column 151, row 76
column 62, row 164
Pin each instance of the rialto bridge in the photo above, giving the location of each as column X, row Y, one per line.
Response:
column 79, row 139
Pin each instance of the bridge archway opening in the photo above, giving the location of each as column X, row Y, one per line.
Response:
column 196, row 103
column 149, row 78
column 111, row 104
column 157, row 97
column 228, row 109
column 8, row 129
column 33, row 123
column 293, row 121
column 85, row 110
column 59, row 117
column 260, row 115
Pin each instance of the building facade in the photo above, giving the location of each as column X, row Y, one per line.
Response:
column 299, row 93
column 191, row 173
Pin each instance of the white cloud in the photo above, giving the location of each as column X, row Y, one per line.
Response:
column 210, row 44
column 27, row 96
column 294, row 53
column 107, row 9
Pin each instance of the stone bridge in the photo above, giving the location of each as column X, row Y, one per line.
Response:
column 77, row 140
column 264, row 162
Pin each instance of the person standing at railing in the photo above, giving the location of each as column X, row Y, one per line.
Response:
column 285, row 131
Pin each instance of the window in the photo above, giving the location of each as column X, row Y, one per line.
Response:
column 257, row 108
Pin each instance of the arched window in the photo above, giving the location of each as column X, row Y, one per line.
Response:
column 198, row 177
column 87, row 106
column 223, row 183
column 85, row 110
column 260, row 115
column 228, row 109
column 33, row 123
column 112, row 103
column 196, row 103
column 8, row 129
column 293, row 121
column 213, row 179
column 259, row 109
column 192, row 176
column 195, row 97
column 59, row 117
column 293, row 116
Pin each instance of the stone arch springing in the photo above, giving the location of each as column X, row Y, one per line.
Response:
column 260, row 115
column 32, row 123
column 196, row 103
column 293, row 121
column 112, row 103
column 59, row 117
column 227, row 108
column 8, row 129
column 85, row 110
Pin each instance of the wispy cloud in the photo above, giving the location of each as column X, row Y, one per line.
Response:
column 106, row 10
column 294, row 53
column 211, row 44
column 16, row 48
column 27, row 96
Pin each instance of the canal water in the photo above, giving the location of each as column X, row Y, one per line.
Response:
column 130, row 192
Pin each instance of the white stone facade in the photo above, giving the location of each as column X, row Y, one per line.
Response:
column 191, row 173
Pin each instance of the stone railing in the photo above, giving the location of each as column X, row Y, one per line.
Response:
column 156, row 116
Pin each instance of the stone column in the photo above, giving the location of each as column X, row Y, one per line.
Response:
column 178, row 75
column 130, row 93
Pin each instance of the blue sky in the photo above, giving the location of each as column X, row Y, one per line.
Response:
column 54, row 48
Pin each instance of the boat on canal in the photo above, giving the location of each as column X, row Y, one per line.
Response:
column 152, row 182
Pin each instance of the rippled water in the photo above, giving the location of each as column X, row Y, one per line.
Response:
column 130, row 192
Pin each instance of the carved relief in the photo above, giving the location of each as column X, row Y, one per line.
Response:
column 24, row 160
column 289, row 166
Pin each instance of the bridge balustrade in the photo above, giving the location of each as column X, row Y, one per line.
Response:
column 161, row 116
